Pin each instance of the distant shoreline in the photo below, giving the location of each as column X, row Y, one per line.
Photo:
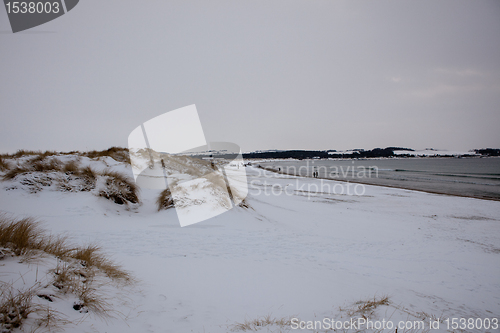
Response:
column 263, row 160
column 382, row 185
column 389, row 152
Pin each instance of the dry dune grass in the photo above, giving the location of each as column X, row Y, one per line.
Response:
column 174, row 163
column 366, row 308
column 87, row 177
column 146, row 154
column 21, row 236
column 88, row 172
column 4, row 165
column 23, row 153
column 25, row 235
column 75, row 273
column 214, row 182
column 192, row 166
column 92, row 256
column 71, row 167
column 363, row 309
column 244, row 204
column 119, row 188
column 39, row 163
column 71, row 278
column 91, row 300
column 236, row 197
column 165, row 200
column 35, row 165
column 15, row 306
column 13, row 173
column 117, row 153
column 260, row 323
column 116, row 186
column 49, row 320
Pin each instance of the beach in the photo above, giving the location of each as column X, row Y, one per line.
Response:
column 297, row 254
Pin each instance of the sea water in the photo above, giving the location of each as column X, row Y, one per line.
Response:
column 473, row 177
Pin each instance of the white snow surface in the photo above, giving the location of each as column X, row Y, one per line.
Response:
column 294, row 253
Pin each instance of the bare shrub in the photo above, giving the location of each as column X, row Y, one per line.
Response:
column 165, row 200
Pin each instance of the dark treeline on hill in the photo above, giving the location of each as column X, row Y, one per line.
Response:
column 488, row 152
column 355, row 153
column 297, row 154
column 308, row 154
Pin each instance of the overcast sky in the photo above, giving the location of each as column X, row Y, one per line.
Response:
column 263, row 74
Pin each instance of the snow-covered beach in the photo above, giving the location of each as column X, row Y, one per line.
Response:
column 250, row 166
column 297, row 254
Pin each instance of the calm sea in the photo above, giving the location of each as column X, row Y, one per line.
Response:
column 474, row 177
